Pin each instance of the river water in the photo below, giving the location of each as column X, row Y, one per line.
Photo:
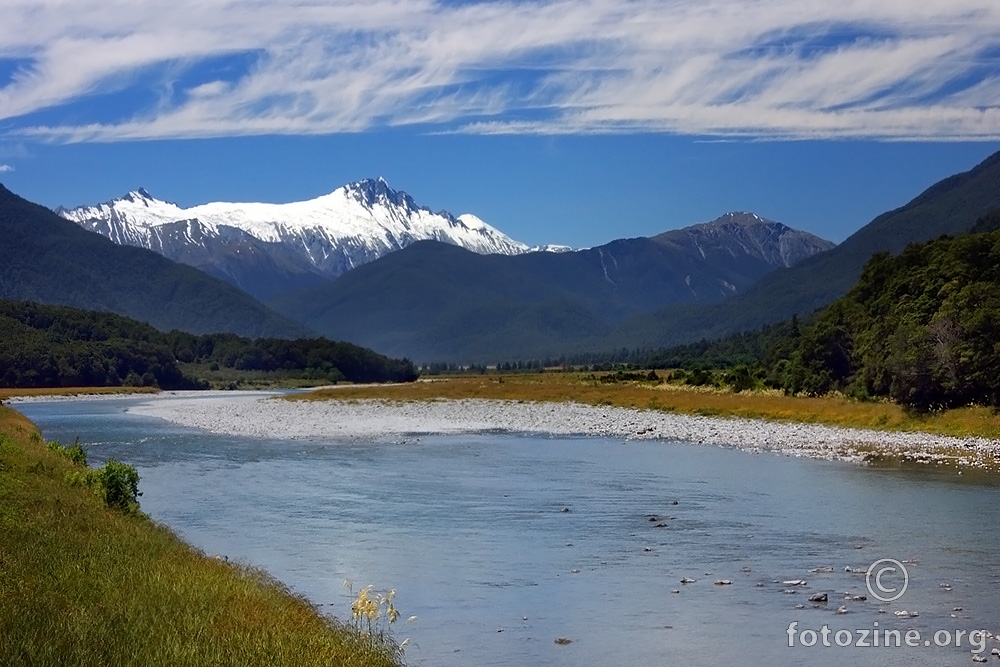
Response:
column 500, row 543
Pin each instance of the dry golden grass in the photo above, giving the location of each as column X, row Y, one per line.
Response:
column 581, row 388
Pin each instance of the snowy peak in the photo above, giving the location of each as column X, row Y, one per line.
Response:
column 371, row 192
column 323, row 237
column 139, row 195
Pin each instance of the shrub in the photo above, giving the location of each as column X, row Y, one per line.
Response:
column 699, row 377
column 75, row 453
column 118, row 484
column 740, row 379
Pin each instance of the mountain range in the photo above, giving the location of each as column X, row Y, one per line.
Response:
column 268, row 249
column 47, row 259
column 950, row 207
column 449, row 314
column 477, row 296
column 304, row 260
column 431, row 301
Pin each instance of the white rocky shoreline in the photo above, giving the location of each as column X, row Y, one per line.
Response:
column 255, row 415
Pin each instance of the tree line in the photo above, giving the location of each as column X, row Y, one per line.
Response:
column 58, row 346
column 922, row 328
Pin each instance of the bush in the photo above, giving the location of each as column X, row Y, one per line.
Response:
column 699, row 377
column 117, row 484
column 75, row 453
column 740, row 379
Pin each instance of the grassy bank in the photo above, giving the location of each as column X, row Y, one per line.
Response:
column 588, row 388
column 83, row 584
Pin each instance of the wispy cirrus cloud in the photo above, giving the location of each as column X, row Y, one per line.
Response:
column 94, row 70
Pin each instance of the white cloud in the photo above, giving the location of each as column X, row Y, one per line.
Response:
column 6, row 168
column 761, row 68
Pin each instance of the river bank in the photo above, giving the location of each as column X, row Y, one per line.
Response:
column 86, row 584
column 256, row 415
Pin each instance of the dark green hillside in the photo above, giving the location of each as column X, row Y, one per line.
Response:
column 50, row 260
column 988, row 223
column 442, row 298
column 950, row 207
column 922, row 328
column 437, row 301
column 57, row 346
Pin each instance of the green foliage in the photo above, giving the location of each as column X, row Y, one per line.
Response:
column 699, row 377
column 628, row 376
column 741, row 378
column 56, row 346
column 747, row 348
column 75, row 452
column 921, row 328
column 117, row 484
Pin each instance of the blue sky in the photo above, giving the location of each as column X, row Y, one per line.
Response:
column 567, row 121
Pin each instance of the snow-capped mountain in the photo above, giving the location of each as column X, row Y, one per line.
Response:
column 270, row 248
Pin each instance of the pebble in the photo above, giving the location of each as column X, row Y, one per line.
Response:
column 258, row 414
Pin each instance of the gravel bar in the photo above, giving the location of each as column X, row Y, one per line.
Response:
column 264, row 416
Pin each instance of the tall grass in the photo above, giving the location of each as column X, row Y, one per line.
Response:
column 583, row 388
column 84, row 584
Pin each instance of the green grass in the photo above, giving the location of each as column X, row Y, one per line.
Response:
column 231, row 378
column 83, row 584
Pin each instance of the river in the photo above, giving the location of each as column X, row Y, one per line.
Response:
column 502, row 543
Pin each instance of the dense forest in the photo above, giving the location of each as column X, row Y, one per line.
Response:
column 922, row 328
column 56, row 346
